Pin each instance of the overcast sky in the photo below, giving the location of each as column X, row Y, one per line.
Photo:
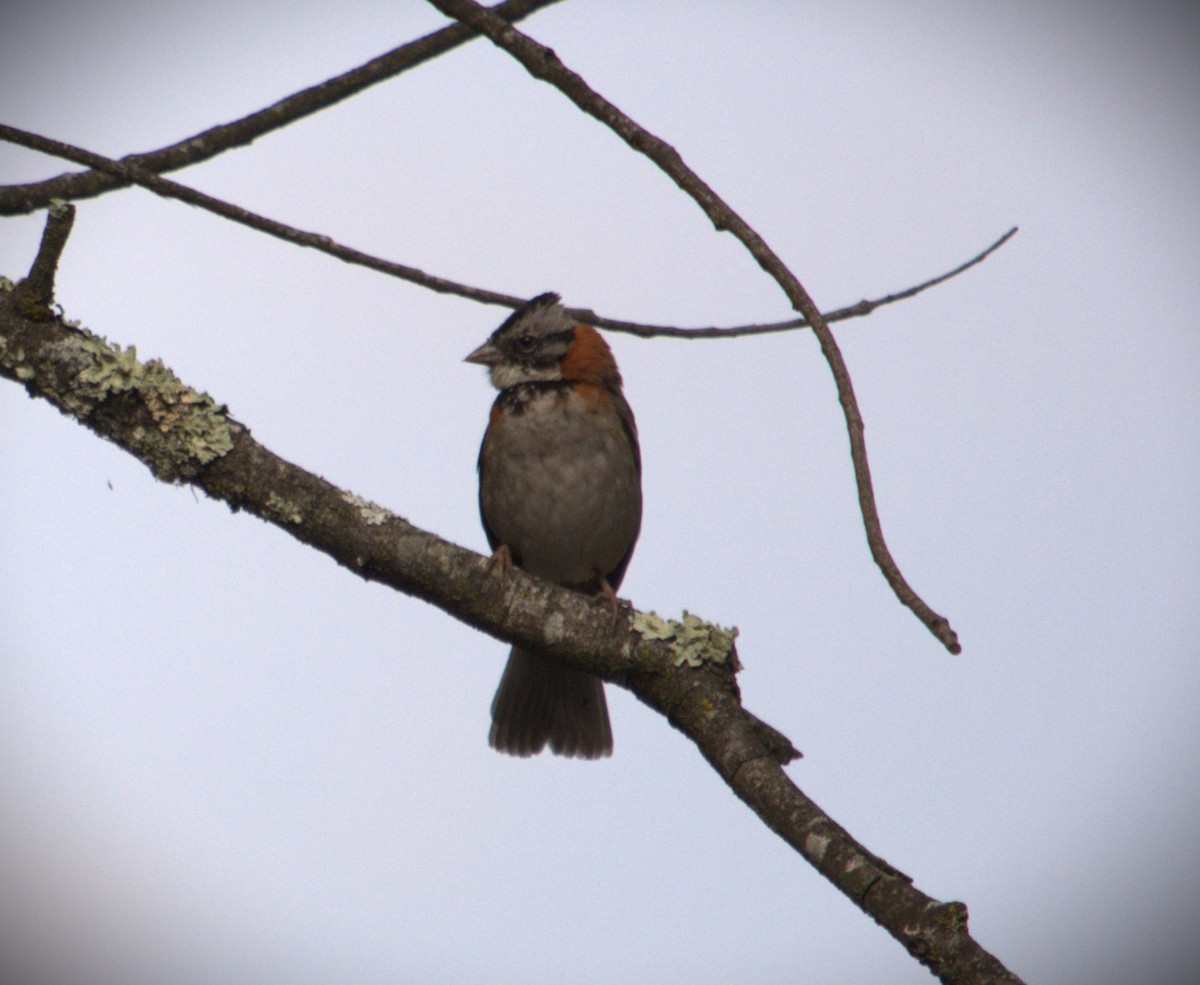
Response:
column 225, row 759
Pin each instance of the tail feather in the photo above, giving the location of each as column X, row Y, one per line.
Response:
column 540, row 702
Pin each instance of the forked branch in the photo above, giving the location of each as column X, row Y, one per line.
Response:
column 127, row 173
column 23, row 199
column 542, row 63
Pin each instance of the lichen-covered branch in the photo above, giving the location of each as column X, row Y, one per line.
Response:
column 686, row 669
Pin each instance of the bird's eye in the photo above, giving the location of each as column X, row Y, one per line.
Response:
column 526, row 343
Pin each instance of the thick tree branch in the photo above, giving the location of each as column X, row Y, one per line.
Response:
column 133, row 175
column 23, row 199
column 542, row 63
column 182, row 435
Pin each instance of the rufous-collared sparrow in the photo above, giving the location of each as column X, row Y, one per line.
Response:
column 560, row 496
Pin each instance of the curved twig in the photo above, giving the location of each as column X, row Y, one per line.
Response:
column 23, row 199
column 126, row 173
column 542, row 63
column 859, row 310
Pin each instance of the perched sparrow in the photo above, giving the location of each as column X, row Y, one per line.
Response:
column 560, row 495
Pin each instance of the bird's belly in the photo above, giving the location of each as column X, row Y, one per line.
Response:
column 563, row 495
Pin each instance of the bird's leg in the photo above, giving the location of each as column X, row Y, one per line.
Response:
column 501, row 562
column 608, row 596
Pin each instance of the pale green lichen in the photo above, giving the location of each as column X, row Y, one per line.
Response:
column 191, row 418
column 371, row 514
column 692, row 640
column 283, row 510
column 114, row 370
column 953, row 915
column 195, row 429
column 556, row 628
column 815, row 846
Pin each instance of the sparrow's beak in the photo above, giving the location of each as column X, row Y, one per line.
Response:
column 486, row 355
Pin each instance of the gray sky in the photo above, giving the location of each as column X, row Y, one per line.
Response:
column 226, row 759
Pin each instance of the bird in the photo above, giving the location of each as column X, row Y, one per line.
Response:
column 560, row 497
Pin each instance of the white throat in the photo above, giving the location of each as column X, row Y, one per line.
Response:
column 505, row 375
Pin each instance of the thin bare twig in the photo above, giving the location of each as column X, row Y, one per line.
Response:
column 858, row 310
column 130, row 174
column 542, row 63
column 172, row 189
column 23, row 199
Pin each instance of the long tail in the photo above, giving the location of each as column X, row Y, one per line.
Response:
column 540, row 702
